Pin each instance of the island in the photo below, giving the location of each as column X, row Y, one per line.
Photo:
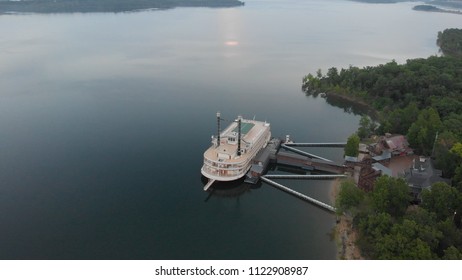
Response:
column 440, row 6
column 115, row 6
column 431, row 8
column 414, row 213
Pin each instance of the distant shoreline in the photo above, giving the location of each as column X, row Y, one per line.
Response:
column 453, row 7
column 434, row 9
column 106, row 6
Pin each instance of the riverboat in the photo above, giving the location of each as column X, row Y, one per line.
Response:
column 233, row 149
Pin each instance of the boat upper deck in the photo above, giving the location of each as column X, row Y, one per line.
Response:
column 251, row 132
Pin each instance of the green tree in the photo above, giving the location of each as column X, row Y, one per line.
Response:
column 423, row 132
column 446, row 105
column 372, row 227
column 446, row 160
column 319, row 74
column 399, row 120
column 456, row 153
column 390, row 195
column 451, row 236
column 332, row 75
column 441, row 199
column 376, row 226
column 352, row 146
column 453, row 123
column 366, row 127
column 421, row 216
column 452, row 253
column 349, row 197
column 457, row 149
column 408, row 241
column 449, row 42
column 457, row 179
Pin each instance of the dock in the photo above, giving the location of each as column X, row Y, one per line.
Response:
column 286, row 154
column 223, row 162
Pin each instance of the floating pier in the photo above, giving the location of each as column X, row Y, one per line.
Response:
column 299, row 195
column 294, row 158
column 298, row 159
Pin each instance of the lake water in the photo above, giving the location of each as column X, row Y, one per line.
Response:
column 104, row 119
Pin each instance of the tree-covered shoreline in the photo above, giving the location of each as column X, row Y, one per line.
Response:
column 115, row 6
column 422, row 89
column 431, row 8
column 422, row 99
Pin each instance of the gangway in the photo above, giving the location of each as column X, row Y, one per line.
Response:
column 313, row 177
column 299, row 195
column 209, row 184
column 303, row 153
column 330, row 145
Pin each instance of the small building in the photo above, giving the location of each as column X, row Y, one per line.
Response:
column 422, row 175
column 351, row 159
column 397, row 145
column 385, row 156
column 390, row 146
column 379, row 158
column 382, row 169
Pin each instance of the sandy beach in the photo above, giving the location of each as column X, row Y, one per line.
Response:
column 345, row 236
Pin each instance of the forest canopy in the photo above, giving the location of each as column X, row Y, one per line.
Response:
column 390, row 228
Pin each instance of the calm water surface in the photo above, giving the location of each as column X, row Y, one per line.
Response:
column 104, row 119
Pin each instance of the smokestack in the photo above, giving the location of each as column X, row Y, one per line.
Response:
column 239, row 121
column 218, row 128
